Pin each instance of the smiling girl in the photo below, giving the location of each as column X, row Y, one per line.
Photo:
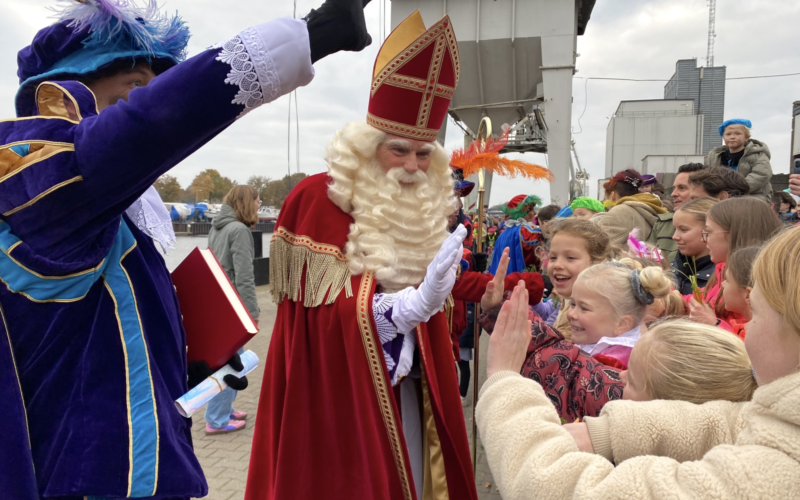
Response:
column 607, row 309
column 575, row 245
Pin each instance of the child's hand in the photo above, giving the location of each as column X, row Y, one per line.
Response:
column 508, row 345
column 701, row 312
column 493, row 296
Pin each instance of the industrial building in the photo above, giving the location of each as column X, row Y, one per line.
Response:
column 684, row 123
column 706, row 87
column 517, row 61
column 663, row 127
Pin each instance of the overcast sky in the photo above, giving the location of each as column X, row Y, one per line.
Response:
column 625, row 38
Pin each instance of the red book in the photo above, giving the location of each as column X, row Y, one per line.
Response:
column 216, row 321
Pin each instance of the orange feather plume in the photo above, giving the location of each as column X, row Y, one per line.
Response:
column 473, row 158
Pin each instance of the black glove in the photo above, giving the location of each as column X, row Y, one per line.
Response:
column 481, row 261
column 337, row 25
column 200, row 370
column 234, row 382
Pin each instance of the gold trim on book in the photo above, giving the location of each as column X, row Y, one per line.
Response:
column 325, row 266
column 376, row 363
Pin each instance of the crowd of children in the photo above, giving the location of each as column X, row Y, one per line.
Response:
column 622, row 321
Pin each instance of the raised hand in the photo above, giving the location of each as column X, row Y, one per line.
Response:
column 337, row 25
column 415, row 306
column 508, row 344
column 495, row 289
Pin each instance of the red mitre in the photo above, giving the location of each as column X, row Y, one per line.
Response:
column 414, row 79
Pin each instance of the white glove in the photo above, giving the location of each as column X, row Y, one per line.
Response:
column 414, row 306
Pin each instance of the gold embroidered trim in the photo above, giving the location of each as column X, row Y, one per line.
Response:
column 449, row 305
column 375, row 360
column 325, row 266
column 42, row 195
column 397, row 128
column 419, row 84
column 444, row 29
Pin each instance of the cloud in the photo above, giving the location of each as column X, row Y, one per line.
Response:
column 637, row 39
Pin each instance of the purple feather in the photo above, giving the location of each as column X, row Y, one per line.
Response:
column 126, row 24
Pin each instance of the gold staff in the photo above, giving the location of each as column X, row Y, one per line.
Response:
column 484, row 132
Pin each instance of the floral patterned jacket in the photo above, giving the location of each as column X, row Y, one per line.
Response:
column 577, row 384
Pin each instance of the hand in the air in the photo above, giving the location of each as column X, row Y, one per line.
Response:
column 414, row 306
column 508, row 344
column 441, row 274
column 495, row 289
column 794, row 184
column 337, row 25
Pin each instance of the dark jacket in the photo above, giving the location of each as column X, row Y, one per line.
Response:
column 683, row 268
column 754, row 166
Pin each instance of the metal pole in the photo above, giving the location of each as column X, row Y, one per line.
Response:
column 477, row 341
column 484, row 133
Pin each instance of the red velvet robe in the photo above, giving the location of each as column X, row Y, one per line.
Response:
column 328, row 422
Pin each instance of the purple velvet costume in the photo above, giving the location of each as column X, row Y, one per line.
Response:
column 92, row 347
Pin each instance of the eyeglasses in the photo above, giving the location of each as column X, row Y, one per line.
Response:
column 705, row 232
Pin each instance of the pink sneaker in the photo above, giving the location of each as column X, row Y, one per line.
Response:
column 238, row 415
column 233, row 426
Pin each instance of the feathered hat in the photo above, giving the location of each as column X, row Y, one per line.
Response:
column 520, row 205
column 461, row 186
column 414, row 79
column 487, row 155
column 92, row 34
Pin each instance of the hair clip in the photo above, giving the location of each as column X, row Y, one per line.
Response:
column 632, row 181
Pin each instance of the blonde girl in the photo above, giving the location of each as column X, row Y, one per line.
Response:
column 670, row 306
column 692, row 259
column 670, row 449
column 607, row 309
column 688, row 361
column 730, row 225
column 575, row 245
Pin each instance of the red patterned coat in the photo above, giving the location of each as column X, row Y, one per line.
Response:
column 577, row 384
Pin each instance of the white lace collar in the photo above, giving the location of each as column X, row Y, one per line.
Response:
column 151, row 217
column 627, row 339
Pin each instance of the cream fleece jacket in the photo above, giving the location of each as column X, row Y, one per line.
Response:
column 664, row 449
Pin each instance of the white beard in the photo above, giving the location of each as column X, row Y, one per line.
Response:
column 398, row 228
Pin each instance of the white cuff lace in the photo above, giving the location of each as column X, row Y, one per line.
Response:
column 151, row 217
column 252, row 69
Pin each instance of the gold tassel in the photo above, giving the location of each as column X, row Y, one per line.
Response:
column 325, row 266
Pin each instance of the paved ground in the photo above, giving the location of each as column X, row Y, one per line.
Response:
column 225, row 458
